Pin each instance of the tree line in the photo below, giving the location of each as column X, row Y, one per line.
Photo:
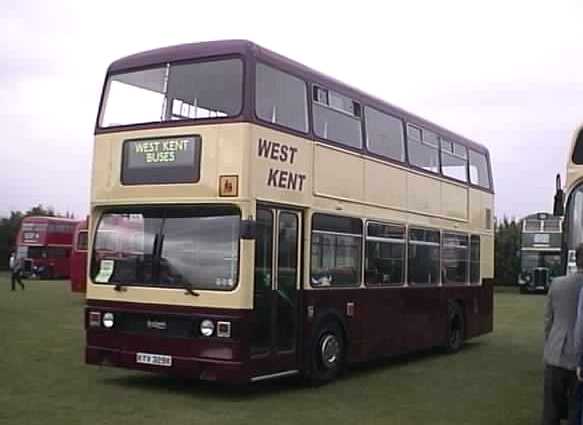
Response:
column 506, row 252
column 9, row 228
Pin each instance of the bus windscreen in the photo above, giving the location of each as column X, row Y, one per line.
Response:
column 168, row 248
column 171, row 92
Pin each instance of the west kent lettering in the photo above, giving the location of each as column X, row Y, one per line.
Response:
column 279, row 178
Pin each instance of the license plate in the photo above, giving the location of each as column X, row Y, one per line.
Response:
column 154, row 359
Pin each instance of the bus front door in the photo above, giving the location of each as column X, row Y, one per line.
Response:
column 277, row 279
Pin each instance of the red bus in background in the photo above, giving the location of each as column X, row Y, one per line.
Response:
column 79, row 258
column 45, row 243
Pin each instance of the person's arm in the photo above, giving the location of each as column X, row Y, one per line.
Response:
column 549, row 313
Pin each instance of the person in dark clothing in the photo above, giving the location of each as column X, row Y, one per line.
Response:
column 560, row 358
column 17, row 273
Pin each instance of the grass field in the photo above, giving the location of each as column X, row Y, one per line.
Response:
column 496, row 379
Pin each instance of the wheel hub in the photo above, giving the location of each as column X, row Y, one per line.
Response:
column 330, row 349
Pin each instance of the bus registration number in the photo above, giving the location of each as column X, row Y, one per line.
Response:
column 154, row 359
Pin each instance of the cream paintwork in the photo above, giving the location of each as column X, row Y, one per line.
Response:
column 574, row 171
column 376, row 189
column 337, row 181
column 338, row 174
column 222, row 151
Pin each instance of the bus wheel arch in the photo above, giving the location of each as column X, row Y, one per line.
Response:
column 456, row 330
column 327, row 349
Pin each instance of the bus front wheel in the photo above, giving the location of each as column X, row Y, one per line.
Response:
column 327, row 353
column 455, row 327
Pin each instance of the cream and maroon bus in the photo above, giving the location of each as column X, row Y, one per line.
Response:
column 573, row 207
column 269, row 221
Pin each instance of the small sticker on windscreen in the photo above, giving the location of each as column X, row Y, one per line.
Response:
column 105, row 271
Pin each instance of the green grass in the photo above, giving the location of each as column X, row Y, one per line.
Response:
column 496, row 379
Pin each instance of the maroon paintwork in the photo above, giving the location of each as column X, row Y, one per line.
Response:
column 392, row 321
column 78, row 263
column 45, row 235
column 206, row 358
column 386, row 322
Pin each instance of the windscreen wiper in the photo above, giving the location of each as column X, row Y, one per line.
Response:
column 190, row 290
column 119, row 287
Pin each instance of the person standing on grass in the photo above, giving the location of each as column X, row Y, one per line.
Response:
column 11, row 260
column 560, row 357
column 16, row 269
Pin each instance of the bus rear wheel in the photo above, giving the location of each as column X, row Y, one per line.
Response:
column 327, row 354
column 455, row 327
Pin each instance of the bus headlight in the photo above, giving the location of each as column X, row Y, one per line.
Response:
column 207, row 327
column 108, row 320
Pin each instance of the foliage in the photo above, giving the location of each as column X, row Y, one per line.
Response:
column 9, row 228
column 506, row 249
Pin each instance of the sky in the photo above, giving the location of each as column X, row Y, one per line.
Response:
column 506, row 74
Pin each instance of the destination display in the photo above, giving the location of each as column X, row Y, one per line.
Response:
column 541, row 240
column 161, row 160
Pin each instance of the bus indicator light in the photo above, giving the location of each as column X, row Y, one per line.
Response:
column 224, row 329
column 228, row 185
column 94, row 319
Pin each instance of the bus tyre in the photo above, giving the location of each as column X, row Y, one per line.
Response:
column 327, row 353
column 455, row 327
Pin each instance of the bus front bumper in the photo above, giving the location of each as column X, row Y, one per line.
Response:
column 189, row 367
column 166, row 339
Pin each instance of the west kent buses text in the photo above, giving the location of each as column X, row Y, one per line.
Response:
column 162, row 151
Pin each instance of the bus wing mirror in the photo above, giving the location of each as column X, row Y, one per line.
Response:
column 558, row 208
column 248, row 229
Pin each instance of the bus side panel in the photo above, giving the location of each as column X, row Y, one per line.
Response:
column 392, row 321
column 382, row 321
column 483, row 310
column 78, row 266
column 329, row 182
column 332, row 305
column 454, row 201
column 477, row 306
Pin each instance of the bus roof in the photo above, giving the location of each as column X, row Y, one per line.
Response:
column 47, row 219
column 542, row 216
column 184, row 52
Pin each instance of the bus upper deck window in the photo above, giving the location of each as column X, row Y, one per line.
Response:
column 281, row 98
column 578, row 149
column 479, row 171
column 337, row 118
column 200, row 90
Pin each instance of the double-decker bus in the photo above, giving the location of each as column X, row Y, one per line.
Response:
column 270, row 221
column 45, row 244
column 78, row 263
column 540, row 251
